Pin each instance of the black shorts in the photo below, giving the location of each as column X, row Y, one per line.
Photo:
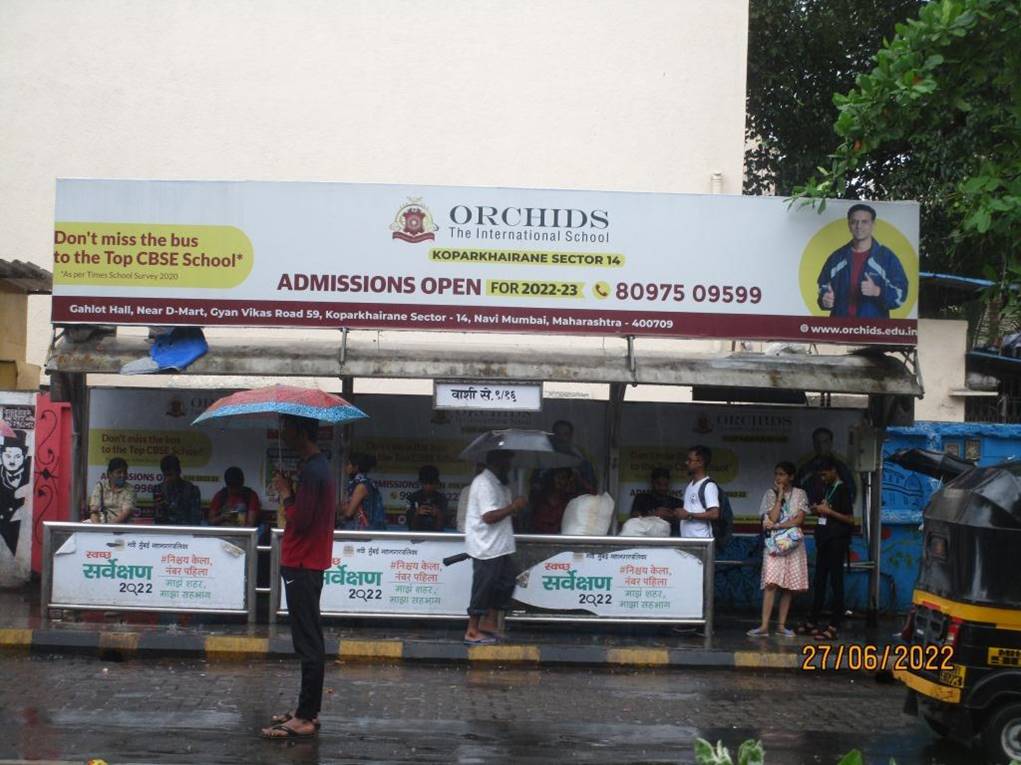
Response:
column 493, row 582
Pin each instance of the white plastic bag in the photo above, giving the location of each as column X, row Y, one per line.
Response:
column 462, row 507
column 648, row 526
column 588, row 515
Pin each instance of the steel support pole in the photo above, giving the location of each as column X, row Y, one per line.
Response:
column 875, row 534
column 611, row 466
column 347, row 392
column 78, row 397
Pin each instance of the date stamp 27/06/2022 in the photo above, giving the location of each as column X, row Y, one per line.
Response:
column 869, row 657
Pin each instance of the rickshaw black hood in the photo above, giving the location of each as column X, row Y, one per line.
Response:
column 972, row 538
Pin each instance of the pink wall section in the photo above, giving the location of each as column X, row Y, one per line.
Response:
column 52, row 470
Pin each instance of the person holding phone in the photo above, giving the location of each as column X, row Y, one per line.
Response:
column 235, row 504
column 427, row 507
column 784, row 567
column 834, row 525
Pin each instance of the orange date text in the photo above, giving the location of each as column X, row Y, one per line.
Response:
column 856, row 657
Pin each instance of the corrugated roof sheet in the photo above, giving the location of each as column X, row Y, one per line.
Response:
column 26, row 277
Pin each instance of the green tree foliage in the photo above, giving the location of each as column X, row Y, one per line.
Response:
column 938, row 119
column 801, row 52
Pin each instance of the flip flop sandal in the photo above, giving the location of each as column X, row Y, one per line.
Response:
column 827, row 634
column 281, row 719
column 806, row 628
column 495, row 635
column 288, row 733
column 486, row 640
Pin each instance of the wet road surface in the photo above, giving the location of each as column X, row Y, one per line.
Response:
column 66, row 708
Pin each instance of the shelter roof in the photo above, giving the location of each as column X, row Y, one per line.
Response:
column 403, row 355
column 27, row 278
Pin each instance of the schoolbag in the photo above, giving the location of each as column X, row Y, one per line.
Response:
column 375, row 512
column 723, row 527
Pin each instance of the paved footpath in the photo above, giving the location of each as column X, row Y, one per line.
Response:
column 67, row 708
column 22, row 627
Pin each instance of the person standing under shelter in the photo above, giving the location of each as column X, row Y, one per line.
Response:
column 427, row 507
column 550, row 500
column 489, row 541
column 563, row 442
column 235, row 504
column 784, row 564
column 657, row 503
column 363, row 509
column 701, row 497
column 176, row 502
column 306, row 551
column 808, row 477
column 113, row 498
column 832, row 540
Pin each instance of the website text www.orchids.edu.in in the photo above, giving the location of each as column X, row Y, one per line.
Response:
column 858, row 330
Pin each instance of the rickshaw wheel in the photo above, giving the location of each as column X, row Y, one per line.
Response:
column 1001, row 735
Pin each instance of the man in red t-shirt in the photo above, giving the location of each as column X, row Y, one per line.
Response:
column 863, row 278
column 306, row 551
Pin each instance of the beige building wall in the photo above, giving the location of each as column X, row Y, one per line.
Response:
column 583, row 94
column 941, row 348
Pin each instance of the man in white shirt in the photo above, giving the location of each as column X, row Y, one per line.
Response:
column 696, row 518
column 489, row 540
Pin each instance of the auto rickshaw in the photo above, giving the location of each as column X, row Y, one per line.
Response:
column 960, row 655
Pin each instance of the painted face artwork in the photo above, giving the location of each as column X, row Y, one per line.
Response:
column 12, row 459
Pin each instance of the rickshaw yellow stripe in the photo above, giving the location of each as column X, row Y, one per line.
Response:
column 929, row 688
column 1002, row 618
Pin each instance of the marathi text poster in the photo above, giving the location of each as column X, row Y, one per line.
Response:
column 183, row 572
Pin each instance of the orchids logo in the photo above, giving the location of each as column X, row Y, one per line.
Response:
column 414, row 222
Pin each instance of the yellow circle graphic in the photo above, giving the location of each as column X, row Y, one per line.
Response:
column 835, row 235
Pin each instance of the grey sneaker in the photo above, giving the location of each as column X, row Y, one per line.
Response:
column 758, row 632
column 784, row 632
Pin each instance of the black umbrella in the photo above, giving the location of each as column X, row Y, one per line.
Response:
column 931, row 463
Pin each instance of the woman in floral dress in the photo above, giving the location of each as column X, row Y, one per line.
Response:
column 783, row 507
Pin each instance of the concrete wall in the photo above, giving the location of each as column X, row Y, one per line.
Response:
column 598, row 94
column 941, row 348
column 15, row 372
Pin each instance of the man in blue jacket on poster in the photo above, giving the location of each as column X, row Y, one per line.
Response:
column 863, row 278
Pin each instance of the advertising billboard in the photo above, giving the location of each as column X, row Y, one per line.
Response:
column 329, row 255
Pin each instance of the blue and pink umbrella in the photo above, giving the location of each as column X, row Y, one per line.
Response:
column 262, row 407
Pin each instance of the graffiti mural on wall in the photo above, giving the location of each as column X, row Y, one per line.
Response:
column 17, row 410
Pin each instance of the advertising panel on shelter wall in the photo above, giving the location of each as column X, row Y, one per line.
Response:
column 483, row 260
